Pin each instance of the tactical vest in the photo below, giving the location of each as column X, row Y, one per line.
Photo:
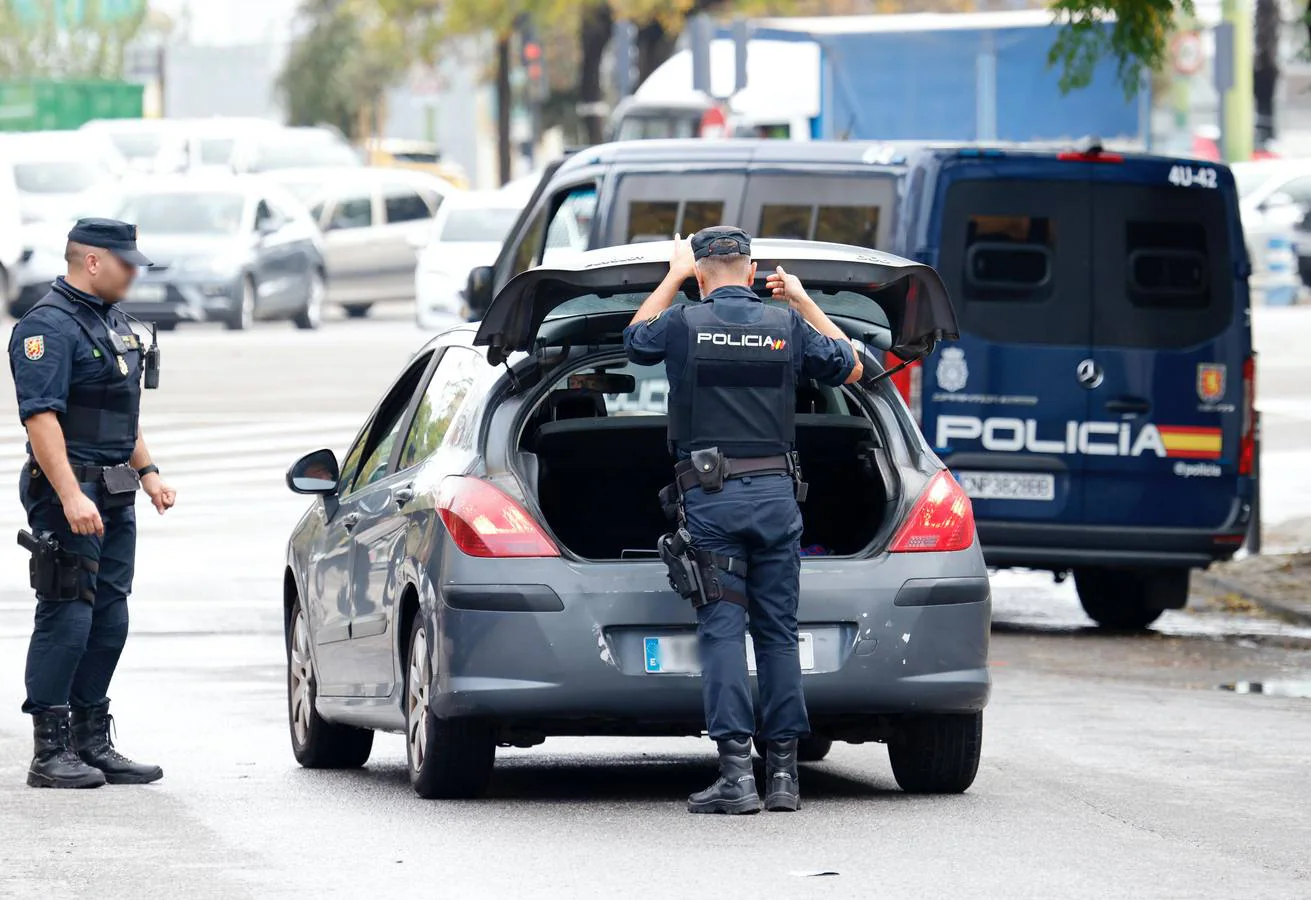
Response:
column 102, row 411
column 738, row 389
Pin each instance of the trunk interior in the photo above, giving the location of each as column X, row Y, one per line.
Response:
column 596, row 479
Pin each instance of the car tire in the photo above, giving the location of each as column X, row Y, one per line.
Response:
column 166, row 326
column 311, row 316
column 937, row 754
column 316, row 742
column 1128, row 599
column 357, row 310
column 448, row 759
column 242, row 316
column 810, row 749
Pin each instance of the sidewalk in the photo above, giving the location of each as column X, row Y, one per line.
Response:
column 1279, row 583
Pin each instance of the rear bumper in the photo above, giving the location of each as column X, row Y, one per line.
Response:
column 887, row 640
column 1059, row 547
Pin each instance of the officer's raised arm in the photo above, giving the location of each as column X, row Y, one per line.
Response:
column 789, row 287
column 644, row 336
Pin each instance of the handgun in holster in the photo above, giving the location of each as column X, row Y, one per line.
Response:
column 686, row 576
column 55, row 573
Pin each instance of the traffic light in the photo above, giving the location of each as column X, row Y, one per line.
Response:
column 534, row 65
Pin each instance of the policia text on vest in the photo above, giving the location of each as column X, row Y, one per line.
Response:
column 733, row 364
column 78, row 369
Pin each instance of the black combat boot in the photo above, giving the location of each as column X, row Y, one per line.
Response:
column 54, row 764
column 735, row 790
column 781, row 791
column 91, row 738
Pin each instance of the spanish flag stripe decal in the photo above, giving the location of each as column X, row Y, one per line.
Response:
column 1192, row 443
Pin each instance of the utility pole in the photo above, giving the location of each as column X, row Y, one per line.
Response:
column 1236, row 125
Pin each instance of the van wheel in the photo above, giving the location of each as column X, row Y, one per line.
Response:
column 937, row 754
column 809, row 749
column 448, row 758
column 1130, row 599
column 315, row 742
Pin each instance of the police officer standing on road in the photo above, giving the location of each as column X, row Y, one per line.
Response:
column 77, row 367
column 733, row 365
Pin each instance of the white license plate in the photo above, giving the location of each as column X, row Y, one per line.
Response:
column 678, row 655
column 148, row 293
column 1008, row 485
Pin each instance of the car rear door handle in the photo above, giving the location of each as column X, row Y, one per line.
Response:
column 403, row 494
column 350, row 520
column 1129, row 405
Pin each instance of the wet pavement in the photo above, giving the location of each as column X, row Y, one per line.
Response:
column 1113, row 765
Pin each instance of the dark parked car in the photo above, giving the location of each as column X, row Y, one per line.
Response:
column 229, row 248
column 480, row 568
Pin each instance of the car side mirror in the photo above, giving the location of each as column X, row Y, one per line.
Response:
column 478, row 293
column 314, row 473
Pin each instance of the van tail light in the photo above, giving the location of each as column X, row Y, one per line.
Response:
column 1247, row 443
column 909, row 383
column 487, row 523
column 941, row 521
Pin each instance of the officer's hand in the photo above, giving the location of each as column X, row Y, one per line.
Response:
column 160, row 494
column 82, row 515
column 683, row 263
column 786, row 287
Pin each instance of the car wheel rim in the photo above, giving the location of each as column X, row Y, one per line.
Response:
column 314, row 305
column 417, row 699
column 302, row 676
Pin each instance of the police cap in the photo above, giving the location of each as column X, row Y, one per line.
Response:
column 119, row 238
column 721, row 240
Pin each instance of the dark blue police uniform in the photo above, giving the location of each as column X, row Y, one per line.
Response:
column 733, row 364
column 75, row 355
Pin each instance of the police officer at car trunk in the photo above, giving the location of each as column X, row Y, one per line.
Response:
column 733, row 364
column 77, row 367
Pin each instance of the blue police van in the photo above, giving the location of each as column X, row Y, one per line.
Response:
column 1099, row 405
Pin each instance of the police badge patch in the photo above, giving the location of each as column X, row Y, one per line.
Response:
column 952, row 371
column 34, row 347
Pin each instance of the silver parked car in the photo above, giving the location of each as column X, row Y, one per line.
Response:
column 372, row 221
column 480, row 567
column 228, row 248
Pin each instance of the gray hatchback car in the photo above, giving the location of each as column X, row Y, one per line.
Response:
column 480, row 569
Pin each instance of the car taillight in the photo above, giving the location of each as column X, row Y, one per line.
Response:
column 941, row 521
column 485, row 522
column 1247, row 443
column 909, row 383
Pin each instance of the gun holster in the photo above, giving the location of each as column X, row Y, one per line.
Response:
column 55, row 573
column 685, row 575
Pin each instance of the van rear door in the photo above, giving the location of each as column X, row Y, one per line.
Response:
column 1170, row 336
column 656, row 205
column 1004, row 406
column 854, row 209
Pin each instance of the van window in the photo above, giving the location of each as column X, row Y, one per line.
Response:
column 660, row 220
column 1014, row 257
column 855, row 225
column 1162, row 266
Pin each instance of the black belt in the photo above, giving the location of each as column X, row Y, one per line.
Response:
column 83, row 474
column 686, row 478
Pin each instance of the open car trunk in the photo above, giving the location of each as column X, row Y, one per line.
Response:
column 597, row 480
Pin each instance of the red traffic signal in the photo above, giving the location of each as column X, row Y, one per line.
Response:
column 532, row 52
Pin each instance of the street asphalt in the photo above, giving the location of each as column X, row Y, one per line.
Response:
column 1113, row 766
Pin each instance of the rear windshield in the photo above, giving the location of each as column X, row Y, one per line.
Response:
column 849, row 304
column 1074, row 263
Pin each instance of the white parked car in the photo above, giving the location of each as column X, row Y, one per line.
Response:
column 467, row 232
column 372, row 219
column 137, row 141
column 52, row 170
column 1274, row 195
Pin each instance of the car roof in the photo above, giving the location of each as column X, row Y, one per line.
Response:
column 1039, row 150
column 334, row 175
column 732, row 151
column 201, row 183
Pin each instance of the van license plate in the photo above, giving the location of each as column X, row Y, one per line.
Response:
column 677, row 655
column 1008, row 485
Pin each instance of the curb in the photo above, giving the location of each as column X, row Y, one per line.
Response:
column 1298, row 613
